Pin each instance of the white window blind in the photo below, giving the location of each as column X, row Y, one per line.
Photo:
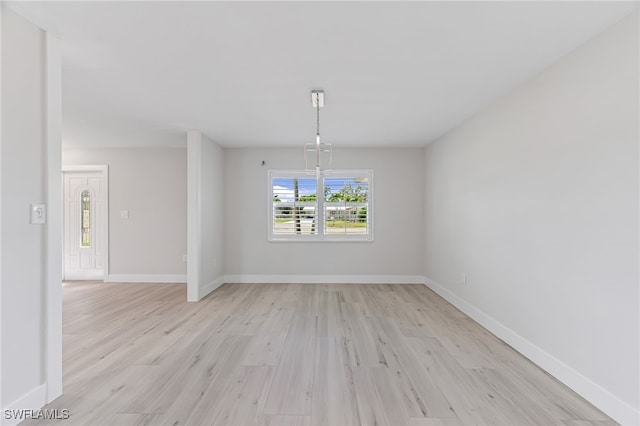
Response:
column 294, row 205
column 336, row 206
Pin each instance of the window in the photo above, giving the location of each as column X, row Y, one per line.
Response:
column 85, row 227
column 342, row 212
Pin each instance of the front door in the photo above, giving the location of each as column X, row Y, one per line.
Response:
column 84, row 224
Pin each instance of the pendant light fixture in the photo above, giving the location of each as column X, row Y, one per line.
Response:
column 314, row 151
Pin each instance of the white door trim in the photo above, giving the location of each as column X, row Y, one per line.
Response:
column 105, row 175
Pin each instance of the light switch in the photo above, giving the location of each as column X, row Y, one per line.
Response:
column 38, row 213
column 124, row 214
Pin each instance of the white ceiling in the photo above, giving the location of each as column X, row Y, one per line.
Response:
column 394, row 73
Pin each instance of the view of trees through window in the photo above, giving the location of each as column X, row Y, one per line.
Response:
column 342, row 210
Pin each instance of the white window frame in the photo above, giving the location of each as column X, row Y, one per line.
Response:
column 320, row 206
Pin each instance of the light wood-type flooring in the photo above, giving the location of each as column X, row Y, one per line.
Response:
column 288, row 354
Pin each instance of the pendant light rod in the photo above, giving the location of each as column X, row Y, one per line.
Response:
column 318, row 117
column 317, row 101
column 317, row 93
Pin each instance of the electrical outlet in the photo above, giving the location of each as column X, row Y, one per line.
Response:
column 463, row 279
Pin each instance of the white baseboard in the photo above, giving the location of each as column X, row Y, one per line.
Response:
column 609, row 403
column 146, row 278
column 325, row 279
column 211, row 286
column 83, row 275
column 33, row 400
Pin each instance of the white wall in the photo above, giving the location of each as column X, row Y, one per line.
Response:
column 212, row 223
column 396, row 254
column 1, row 257
column 206, row 215
column 30, row 151
column 53, row 294
column 151, row 183
column 22, row 184
column 536, row 200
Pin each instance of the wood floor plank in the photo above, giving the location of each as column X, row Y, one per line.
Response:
column 567, row 405
column 455, row 382
column 244, row 402
column 108, row 396
column 292, row 385
column 393, row 404
column 331, row 315
column 334, row 393
column 365, row 344
column 210, row 366
column 422, row 394
column 369, row 401
column 265, row 348
column 505, row 404
column 276, row 420
column 200, row 351
column 435, row 421
column 540, row 406
column 258, row 307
